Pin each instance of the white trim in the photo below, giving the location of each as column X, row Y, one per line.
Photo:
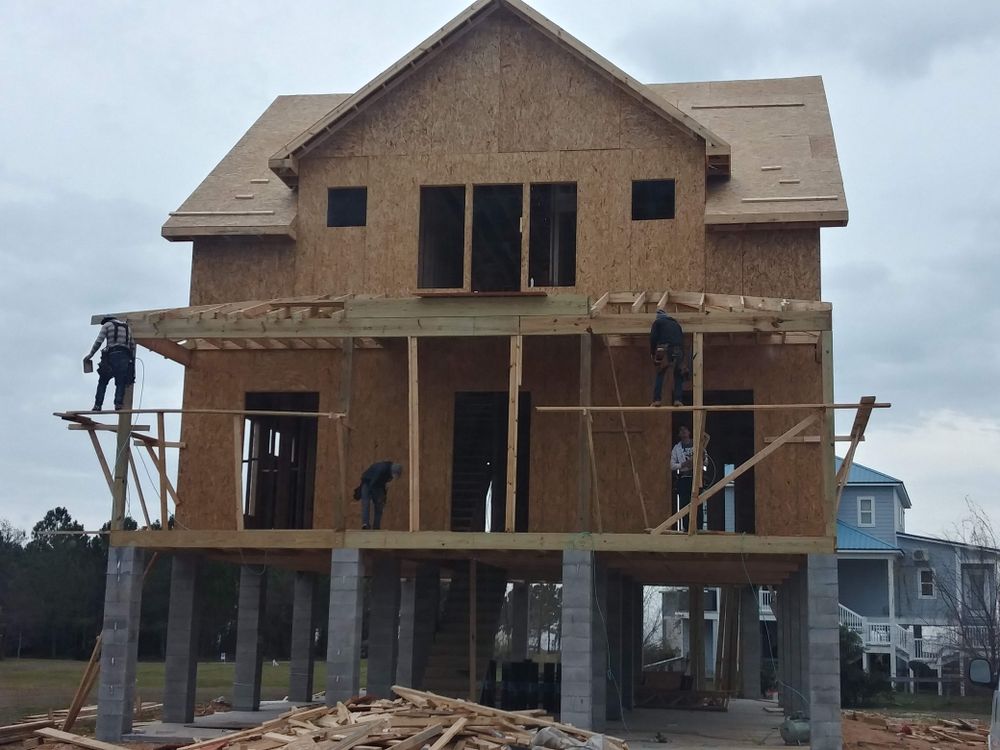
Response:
column 920, row 583
column 871, row 499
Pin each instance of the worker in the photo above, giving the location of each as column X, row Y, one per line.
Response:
column 372, row 492
column 666, row 347
column 682, row 466
column 117, row 360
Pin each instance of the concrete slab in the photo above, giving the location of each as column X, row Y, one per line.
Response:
column 211, row 726
column 746, row 724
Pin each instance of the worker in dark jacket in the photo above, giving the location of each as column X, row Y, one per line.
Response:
column 666, row 347
column 372, row 490
column 117, row 360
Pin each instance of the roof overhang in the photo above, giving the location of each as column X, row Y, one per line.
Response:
column 284, row 163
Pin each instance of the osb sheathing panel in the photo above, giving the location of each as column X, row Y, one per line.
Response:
column 772, row 263
column 503, row 105
column 220, row 380
column 789, row 483
column 228, row 270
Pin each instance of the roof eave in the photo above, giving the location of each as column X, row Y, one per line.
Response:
column 190, row 233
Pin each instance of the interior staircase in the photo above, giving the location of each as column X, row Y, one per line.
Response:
column 447, row 670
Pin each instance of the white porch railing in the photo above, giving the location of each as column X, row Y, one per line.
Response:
column 880, row 635
column 852, row 620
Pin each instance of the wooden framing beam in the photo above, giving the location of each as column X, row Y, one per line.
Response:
column 120, row 475
column 592, row 461
column 138, row 489
column 513, row 402
column 638, row 306
column 738, row 471
column 470, row 542
column 168, row 349
column 343, row 432
column 698, row 423
column 103, row 461
column 161, row 437
column 625, row 434
column 340, row 503
column 414, row 432
column 710, row 407
column 585, row 486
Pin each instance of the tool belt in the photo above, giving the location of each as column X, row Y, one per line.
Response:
column 666, row 355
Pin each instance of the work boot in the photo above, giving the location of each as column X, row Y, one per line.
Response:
column 97, row 407
column 678, row 403
column 657, row 403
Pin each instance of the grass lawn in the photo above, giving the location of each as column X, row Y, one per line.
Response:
column 29, row 686
column 904, row 705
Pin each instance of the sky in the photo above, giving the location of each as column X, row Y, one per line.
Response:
column 114, row 111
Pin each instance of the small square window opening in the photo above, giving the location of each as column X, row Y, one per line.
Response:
column 346, row 207
column 652, row 199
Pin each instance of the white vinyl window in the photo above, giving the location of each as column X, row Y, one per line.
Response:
column 926, row 584
column 866, row 511
column 900, row 517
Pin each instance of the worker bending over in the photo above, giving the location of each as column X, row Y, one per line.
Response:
column 117, row 360
column 372, row 492
column 666, row 347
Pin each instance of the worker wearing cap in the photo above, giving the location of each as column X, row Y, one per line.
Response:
column 117, row 360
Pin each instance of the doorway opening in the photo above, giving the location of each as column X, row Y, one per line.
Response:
column 279, row 462
column 496, row 238
column 479, row 462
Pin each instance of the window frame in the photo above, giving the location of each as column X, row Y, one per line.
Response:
column 932, row 583
column 900, row 516
column 871, row 510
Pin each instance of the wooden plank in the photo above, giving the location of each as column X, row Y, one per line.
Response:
column 473, row 601
column 142, row 497
column 625, row 434
column 513, row 403
column 454, row 729
column 86, row 684
column 359, row 735
column 413, row 425
column 167, row 349
column 698, row 423
column 741, row 469
column 639, row 305
column 827, row 434
column 75, row 739
column 418, row 740
column 711, row 407
column 583, row 454
column 592, row 460
column 341, row 500
column 238, row 472
column 600, row 304
column 468, row 306
column 162, row 467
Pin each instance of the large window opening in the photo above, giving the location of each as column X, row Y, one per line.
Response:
column 442, row 237
column 279, row 460
column 496, row 238
column 552, row 235
column 479, row 462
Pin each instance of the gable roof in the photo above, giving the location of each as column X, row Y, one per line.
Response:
column 785, row 166
column 860, row 474
column 852, row 539
column 284, row 161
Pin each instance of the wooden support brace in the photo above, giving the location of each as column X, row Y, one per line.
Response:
column 162, row 466
column 340, row 504
column 156, row 462
column 740, row 470
column 513, row 402
column 857, row 435
column 593, row 472
column 138, row 489
column 238, row 468
column 698, row 425
column 628, row 439
column 103, row 461
column 414, row 433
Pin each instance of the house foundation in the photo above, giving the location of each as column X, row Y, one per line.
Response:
column 249, row 619
column 300, row 685
column 181, row 663
column 343, row 650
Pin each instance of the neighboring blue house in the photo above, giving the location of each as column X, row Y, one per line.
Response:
column 902, row 593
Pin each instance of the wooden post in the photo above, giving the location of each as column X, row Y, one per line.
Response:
column 698, row 422
column 138, row 489
column 238, row 475
column 583, row 513
column 473, row 598
column 414, row 432
column 343, row 429
column 122, row 448
column 161, row 442
column 827, row 430
column 696, row 635
column 513, row 402
column 340, row 503
column 593, row 472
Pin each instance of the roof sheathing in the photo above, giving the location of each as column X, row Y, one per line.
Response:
column 284, row 163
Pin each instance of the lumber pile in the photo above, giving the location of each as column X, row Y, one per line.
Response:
column 965, row 732
column 22, row 731
column 85, row 712
column 415, row 720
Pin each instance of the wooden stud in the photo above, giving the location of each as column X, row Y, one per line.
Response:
column 86, row 684
column 414, row 433
column 340, row 503
column 122, row 449
column 698, row 423
column 593, row 472
column 600, row 304
column 162, row 466
column 473, row 598
column 583, row 453
column 513, row 403
column 628, row 439
column 639, row 305
column 238, row 475
column 103, row 461
column 138, row 489
column 827, row 433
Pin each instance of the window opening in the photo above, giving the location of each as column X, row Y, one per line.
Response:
column 496, row 238
column 442, row 238
column 346, row 206
column 652, row 199
column 279, row 457
column 552, row 235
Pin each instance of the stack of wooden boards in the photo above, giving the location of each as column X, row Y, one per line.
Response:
column 414, row 721
column 934, row 731
column 23, row 731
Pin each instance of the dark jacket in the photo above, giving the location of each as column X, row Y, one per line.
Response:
column 665, row 331
column 378, row 475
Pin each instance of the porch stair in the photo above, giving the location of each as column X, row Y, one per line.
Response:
column 447, row 670
column 879, row 636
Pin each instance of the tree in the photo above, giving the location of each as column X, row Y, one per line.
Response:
column 969, row 591
column 857, row 687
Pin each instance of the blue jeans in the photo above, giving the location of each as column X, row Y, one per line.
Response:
column 115, row 363
column 673, row 360
column 372, row 497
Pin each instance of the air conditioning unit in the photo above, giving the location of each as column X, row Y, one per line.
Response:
column 920, row 555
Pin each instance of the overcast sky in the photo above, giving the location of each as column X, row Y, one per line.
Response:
column 114, row 111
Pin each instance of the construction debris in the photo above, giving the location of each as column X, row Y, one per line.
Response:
column 415, row 721
column 870, row 729
column 23, row 731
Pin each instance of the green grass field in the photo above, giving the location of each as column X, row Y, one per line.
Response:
column 29, row 686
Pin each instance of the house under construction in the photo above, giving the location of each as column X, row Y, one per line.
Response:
column 456, row 268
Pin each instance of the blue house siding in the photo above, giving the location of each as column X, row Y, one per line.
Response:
column 884, row 508
column 910, row 608
column 864, row 586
